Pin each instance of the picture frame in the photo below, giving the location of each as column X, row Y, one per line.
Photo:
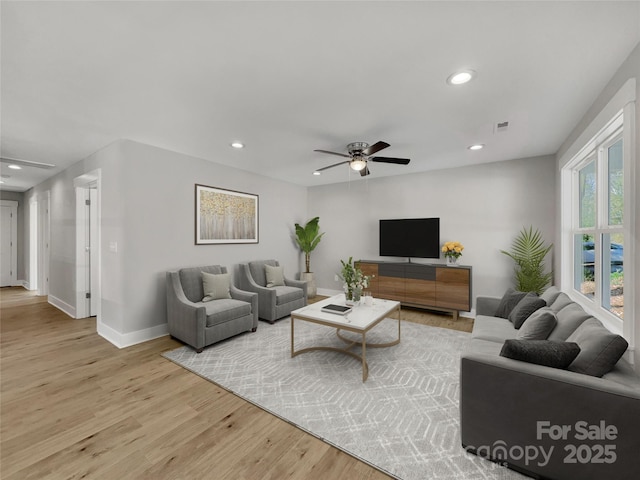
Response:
column 225, row 216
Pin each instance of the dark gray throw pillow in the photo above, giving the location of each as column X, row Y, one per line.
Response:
column 541, row 352
column 600, row 349
column 525, row 307
column 538, row 326
column 509, row 300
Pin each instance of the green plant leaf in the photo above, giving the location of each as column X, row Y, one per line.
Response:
column 528, row 252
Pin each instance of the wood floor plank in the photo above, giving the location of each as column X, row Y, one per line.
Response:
column 75, row 406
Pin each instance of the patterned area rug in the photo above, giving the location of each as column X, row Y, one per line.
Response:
column 403, row 420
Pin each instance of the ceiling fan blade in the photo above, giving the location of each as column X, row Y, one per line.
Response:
column 364, row 172
column 376, row 147
column 397, row 161
column 331, row 166
column 333, row 153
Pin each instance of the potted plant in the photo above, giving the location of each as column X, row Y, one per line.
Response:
column 307, row 238
column 528, row 251
column 354, row 281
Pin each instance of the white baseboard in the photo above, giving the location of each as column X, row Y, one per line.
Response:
column 327, row 292
column 123, row 340
column 60, row 305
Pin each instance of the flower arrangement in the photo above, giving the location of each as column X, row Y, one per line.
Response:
column 452, row 250
column 354, row 280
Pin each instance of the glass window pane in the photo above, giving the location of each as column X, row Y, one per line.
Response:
column 612, row 285
column 616, row 186
column 587, row 192
column 584, row 261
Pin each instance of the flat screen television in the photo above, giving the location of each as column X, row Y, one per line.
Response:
column 410, row 237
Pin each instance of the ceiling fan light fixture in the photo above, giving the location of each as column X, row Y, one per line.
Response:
column 357, row 164
column 461, row 77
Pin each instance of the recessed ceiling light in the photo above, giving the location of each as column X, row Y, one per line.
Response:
column 15, row 167
column 477, row 146
column 461, row 77
column 237, row 145
column 317, row 173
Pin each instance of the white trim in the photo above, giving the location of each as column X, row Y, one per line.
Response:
column 62, row 305
column 123, row 340
column 624, row 96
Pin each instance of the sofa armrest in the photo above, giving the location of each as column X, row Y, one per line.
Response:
column 297, row 283
column 185, row 318
column 266, row 296
column 506, row 405
column 249, row 297
column 487, row 305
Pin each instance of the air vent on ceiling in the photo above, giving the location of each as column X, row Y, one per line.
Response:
column 501, row 127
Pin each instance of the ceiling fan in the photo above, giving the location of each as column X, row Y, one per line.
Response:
column 359, row 154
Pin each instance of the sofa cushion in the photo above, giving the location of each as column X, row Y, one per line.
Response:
column 286, row 294
column 525, row 307
column 600, row 349
column 191, row 280
column 541, row 352
column 550, row 294
column 494, row 329
column 509, row 300
column 561, row 301
column 258, row 271
column 215, row 286
column 538, row 326
column 569, row 318
column 274, row 276
column 221, row 311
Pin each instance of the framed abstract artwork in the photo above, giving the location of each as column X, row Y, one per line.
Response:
column 225, row 216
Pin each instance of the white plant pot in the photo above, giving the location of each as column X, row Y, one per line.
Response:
column 312, row 289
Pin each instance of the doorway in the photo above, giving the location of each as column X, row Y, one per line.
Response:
column 88, row 266
column 8, row 243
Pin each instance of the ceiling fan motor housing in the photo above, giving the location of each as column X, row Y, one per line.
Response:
column 356, row 148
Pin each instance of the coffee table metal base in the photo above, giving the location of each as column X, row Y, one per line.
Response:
column 351, row 343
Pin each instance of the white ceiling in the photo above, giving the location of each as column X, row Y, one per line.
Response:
column 286, row 78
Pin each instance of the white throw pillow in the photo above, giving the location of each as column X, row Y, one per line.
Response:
column 275, row 275
column 215, row 286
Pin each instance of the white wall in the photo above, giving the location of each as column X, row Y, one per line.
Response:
column 482, row 206
column 158, row 191
column 629, row 69
column 147, row 202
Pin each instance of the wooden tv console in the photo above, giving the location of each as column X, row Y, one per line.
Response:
column 434, row 286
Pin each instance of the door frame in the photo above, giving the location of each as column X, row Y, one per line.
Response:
column 33, row 243
column 84, row 259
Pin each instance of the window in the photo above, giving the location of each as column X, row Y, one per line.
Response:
column 598, row 223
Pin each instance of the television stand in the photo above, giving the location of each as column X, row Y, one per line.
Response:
column 433, row 286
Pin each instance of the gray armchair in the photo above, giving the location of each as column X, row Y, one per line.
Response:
column 273, row 302
column 199, row 323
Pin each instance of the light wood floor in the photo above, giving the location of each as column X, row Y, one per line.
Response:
column 74, row 406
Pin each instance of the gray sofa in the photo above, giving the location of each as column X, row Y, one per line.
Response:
column 546, row 422
column 201, row 323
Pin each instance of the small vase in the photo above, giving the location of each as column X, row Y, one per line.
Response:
column 352, row 296
column 452, row 261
